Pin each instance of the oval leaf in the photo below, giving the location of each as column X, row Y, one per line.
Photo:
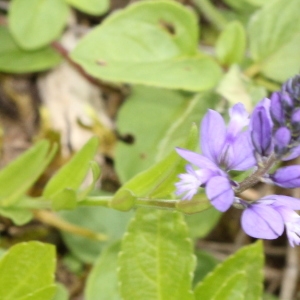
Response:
column 102, row 283
column 92, row 7
column 274, row 34
column 231, row 44
column 28, row 268
column 13, row 59
column 161, row 41
column 156, row 261
column 36, row 23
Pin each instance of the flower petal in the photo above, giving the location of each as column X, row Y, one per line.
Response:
column 239, row 118
column 191, row 181
column 262, row 222
column 213, row 134
column 295, row 152
column 287, row 177
column 261, row 131
column 240, row 154
column 290, row 202
column 197, row 159
column 282, row 138
column 220, row 193
column 276, row 108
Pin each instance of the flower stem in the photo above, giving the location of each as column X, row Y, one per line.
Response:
column 256, row 176
column 211, row 13
column 96, row 201
column 157, row 203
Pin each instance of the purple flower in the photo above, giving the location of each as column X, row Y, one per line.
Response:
column 267, row 217
column 261, row 128
column 223, row 149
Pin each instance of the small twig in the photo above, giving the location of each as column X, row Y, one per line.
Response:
column 65, row 54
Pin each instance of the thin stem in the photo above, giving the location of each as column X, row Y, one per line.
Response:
column 271, row 86
column 161, row 203
column 59, row 48
column 95, row 201
column 252, row 70
column 211, row 13
column 34, row 203
column 256, row 176
column 51, row 219
column 65, row 54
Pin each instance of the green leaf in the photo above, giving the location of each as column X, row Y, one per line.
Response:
column 61, row 293
column 236, row 87
column 92, row 7
column 102, row 283
column 65, row 199
column 160, row 38
column 157, row 181
column 99, row 219
column 242, row 6
column 249, row 260
column 233, row 287
column 71, row 175
column 96, row 172
column 32, row 163
column 19, row 216
column 174, row 113
column 274, row 34
column 46, row 293
column 156, row 261
column 202, row 223
column 231, row 44
column 13, row 59
column 27, row 271
column 205, row 264
column 42, row 23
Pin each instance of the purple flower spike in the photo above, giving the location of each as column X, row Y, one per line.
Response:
column 220, row 193
column 282, row 138
column 276, row 109
column 223, row 149
column 287, row 177
column 262, row 222
column 261, row 131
